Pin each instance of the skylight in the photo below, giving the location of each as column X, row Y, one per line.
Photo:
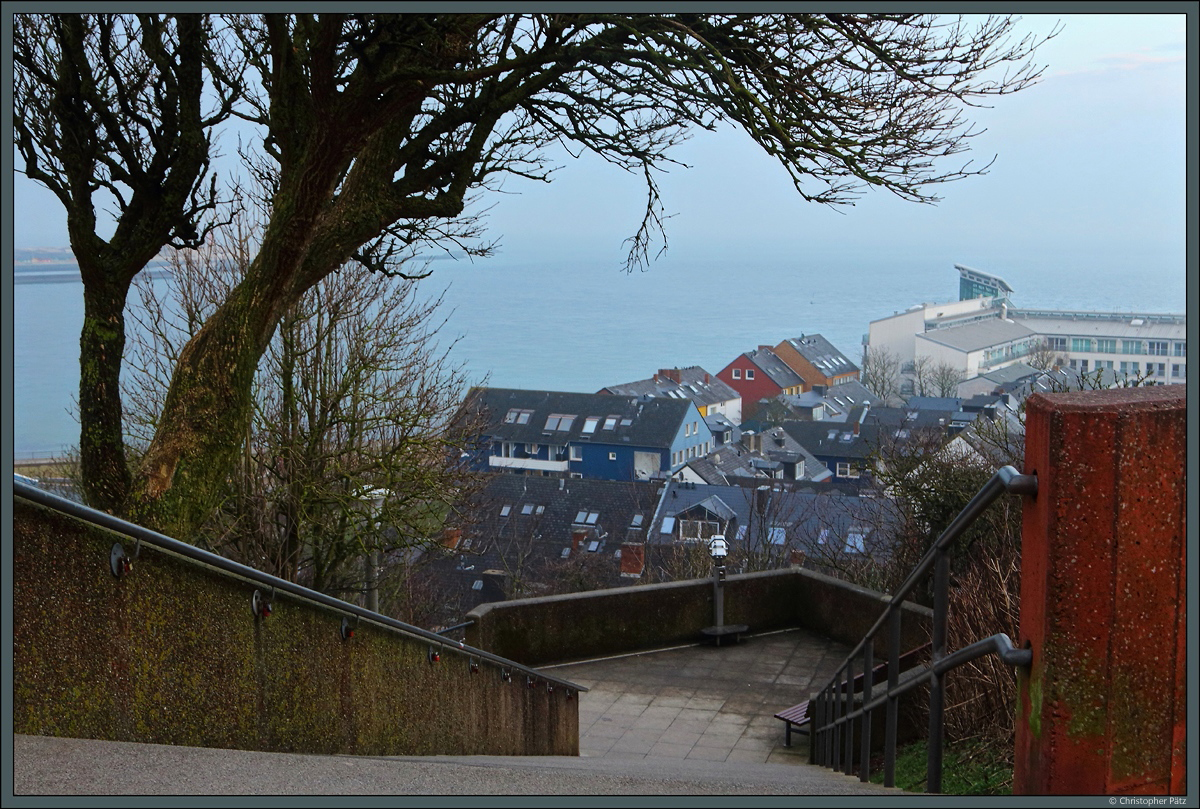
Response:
column 558, row 421
column 589, row 424
column 527, row 509
column 517, row 416
column 610, row 422
column 505, row 511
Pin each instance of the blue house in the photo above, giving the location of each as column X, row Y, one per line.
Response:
column 586, row 435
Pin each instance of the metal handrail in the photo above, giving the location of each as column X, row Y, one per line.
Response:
column 835, row 715
column 149, row 537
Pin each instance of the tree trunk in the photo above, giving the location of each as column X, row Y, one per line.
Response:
column 105, row 475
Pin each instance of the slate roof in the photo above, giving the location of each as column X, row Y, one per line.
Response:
column 694, row 383
column 775, row 369
column 839, row 399
column 643, row 422
column 835, row 439
column 823, row 354
column 814, row 523
column 526, row 522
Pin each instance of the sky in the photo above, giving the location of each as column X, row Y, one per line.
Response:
column 1090, row 162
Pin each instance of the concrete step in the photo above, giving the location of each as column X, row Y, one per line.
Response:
column 44, row 765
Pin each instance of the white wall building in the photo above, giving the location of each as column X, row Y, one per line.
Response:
column 984, row 334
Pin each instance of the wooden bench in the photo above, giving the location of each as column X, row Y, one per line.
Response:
column 798, row 716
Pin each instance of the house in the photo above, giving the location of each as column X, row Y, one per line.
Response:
column 817, row 361
column 847, row 449
column 768, row 526
column 585, row 435
column 712, row 396
column 758, row 375
column 524, row 535
column 822, row 403
column 758, row 457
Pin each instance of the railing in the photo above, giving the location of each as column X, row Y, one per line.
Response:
column 835, row 714
column 144, row 535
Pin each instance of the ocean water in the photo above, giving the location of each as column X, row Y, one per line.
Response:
column 579, row 324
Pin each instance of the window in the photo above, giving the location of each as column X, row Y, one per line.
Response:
column 749, row 373
column 1177, row 370
column 558, row 421
column 1181, row 349
column 505, row 511
column 1156, row 369
column 610, row 423
column 516, row 416
column 1104, row 364
column 1158, row 348
column 855, row 541
column 532, row 449
column 1081, row 344
column 526, row 509
column 590, row 424
column 1083, row 365
column 1132, row 347
column 1106, row 346
column 737, row 373
column 612, row 456
column 576, row 453
column 846, row 470
column 1057, row 343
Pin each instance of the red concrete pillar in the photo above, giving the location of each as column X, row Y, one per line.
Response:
column 1103, row 594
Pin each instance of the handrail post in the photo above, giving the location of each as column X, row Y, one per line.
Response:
column 868, row 678
column 937, row 696
column 893, row 704
column 848, row 725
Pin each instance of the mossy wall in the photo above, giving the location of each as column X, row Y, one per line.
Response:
column 172, row 654
column 555, row 629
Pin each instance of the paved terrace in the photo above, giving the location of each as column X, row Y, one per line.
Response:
column 702, row 702
column 693, row 720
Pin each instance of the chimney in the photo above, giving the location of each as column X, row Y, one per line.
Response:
column 670, row 373
column 764, row 348
column 578, row 536
column 451, row 537
column 706, row 379
column 633, row 559
column 797, row 558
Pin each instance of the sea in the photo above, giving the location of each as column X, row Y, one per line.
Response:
column 579, row 324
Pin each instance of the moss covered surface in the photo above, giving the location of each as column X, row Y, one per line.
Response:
column 172, row 654
column 556, row 629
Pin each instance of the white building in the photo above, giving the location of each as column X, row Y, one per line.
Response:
column 985, row 333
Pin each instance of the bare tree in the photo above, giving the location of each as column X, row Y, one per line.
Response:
column 944, row 378
column 1042, row 356
column 351, row 450
column 881, row 373
column 109, row 113
column 385, row 128
column 922, row 374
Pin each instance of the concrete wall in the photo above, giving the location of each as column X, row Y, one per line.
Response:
column 556, row 629
column 172, row 654
column 1103, row 709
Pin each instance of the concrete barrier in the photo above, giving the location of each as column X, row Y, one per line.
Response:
column 556, row 629
column 171, row 653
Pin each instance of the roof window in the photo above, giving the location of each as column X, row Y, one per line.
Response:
column 559, row 421
column 517, row 416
